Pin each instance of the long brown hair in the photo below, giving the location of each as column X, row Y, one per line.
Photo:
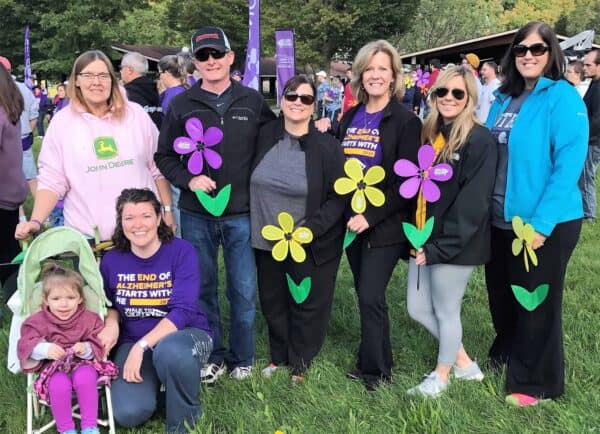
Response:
column 464, row 122
column 11, row 99
column 116, row 102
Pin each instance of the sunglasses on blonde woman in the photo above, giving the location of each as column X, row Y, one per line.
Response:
column 305, row 99
column 441, row 92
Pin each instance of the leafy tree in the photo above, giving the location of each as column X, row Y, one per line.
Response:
column 524, row 11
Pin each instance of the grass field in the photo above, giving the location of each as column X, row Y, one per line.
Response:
column 328, row 403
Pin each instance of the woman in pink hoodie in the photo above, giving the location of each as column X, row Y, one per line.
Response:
column 97, row 146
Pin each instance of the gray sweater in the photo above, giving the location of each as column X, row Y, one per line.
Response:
column 12, row 179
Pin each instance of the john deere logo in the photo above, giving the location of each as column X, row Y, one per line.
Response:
column 105, row 148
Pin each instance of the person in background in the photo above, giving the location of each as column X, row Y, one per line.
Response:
column 322, row 87
column 333, row 101
column 576, row 76
column 61, row 98
column 140, row 88
column 39, row 92
column 349, row 100
column 435, row 67
column 236, row 75
column 541, row 128
column 490, row 84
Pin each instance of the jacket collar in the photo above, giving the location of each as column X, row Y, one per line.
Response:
column 304, row 140
column 237, row 91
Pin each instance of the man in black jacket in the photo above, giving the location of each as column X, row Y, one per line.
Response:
column 239, row 112
column 141, row 88
column 587, row 182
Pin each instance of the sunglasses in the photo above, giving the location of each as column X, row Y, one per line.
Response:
column 305, row 99
column 458, row 94
column 202, row 55
column 535, row 49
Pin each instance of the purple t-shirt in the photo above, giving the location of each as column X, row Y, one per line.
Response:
column 144, row 291
column 362, row 139
column 168, row 95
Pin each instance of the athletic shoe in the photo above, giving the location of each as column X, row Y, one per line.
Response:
column 471, row 372
column 354, row 374
column 211, row 372
column 269, row 370
column 521, row 400
column 241, row 372
column 296, row 379
column 430, row 387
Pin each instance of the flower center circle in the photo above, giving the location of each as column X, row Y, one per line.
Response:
column 200, row 146
column 288, row 236
column 361, row 185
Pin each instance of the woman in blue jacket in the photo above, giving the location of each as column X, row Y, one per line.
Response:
column 541, row 127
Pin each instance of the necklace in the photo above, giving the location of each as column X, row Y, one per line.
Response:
column 368, row 120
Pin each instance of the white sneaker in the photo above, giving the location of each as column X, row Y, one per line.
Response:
column 211, row 372
column 269, row 370
column 241, row 372
column 471, row 372
column 431, row 387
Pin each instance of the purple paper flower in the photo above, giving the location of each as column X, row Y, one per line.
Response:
column 423, row 175
column 199, row 143
column 421, row 78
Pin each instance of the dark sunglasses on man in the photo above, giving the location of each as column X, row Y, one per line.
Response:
column 441, row 92
column 305, row 99
column 536, row 50
column 202, row 55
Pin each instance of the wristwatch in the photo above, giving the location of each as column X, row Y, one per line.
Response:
column 167, row 208
column 143, row 344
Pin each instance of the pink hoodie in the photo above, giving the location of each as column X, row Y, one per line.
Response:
column 90, row 160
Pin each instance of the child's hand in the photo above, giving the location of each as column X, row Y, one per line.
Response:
column 79, row 349
column 56, row 352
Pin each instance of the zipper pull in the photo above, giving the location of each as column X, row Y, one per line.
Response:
column 222, row 121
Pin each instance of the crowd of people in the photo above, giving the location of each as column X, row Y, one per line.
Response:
column 470, row 162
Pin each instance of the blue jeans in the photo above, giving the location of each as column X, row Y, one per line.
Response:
column 206, row 233
column 587, row 182
column 175, row 362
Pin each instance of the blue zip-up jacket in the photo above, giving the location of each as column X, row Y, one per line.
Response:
column 547, row 147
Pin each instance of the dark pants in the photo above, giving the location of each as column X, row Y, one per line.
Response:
column 296, row 331
column 9, row 247
column 530, row 342
column 175, row 363
column 372, row 268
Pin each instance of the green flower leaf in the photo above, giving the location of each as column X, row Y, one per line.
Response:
column 530, row 300
column 19, row 258
column 418, row 237
column 299, row 292
column 349, row 237
column 215, row 205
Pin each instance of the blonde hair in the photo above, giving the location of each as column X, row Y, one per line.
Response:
column 116, row 102
column 361, row 62
column 464, row 122
column 56, row 276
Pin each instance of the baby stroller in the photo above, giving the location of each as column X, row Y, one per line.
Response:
column 71, row 249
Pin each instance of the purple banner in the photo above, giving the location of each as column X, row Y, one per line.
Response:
column 252, row 71
column 27, row 61
column 285, row 58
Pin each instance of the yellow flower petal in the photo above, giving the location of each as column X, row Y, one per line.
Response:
column 303, row 235
column 528, row 233
column 358, row 203
column 374, row 175
column 353, row 169
column 375, row 196
column 532, row 255
column 517, row 225
column 286, row 221
column 280, row 250
column 344, row 185
column 517, row 246
column 272, row 233
column 298, row 253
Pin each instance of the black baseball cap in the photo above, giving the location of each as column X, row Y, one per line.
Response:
column 210, row 37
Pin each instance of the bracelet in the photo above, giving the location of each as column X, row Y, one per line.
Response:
column 143, row 344
column 38, row 222
column 167, row 208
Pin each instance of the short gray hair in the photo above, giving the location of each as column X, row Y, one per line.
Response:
column 135, row 60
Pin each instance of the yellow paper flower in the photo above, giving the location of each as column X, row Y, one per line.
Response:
column 287, row 238
column 408, row 81
column 525, row 234
column 362, row 184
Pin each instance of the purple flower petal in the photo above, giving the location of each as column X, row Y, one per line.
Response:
column 195, row 163
column 405, row 168
column 184, row 145
column 431, row 192
column 410, row 187
column 426, row 156
column 440, row 172
column 212, row 136
column 212, row 158
column 194, row 128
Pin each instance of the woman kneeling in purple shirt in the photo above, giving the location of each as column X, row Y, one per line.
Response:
column 159, row 333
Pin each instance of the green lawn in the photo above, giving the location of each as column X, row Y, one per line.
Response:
column 328, row 403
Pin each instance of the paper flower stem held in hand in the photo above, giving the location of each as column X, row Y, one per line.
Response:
column 288, row 238
column 299, row 291
column 362, row 185
column 531, row 300
column 525, row 235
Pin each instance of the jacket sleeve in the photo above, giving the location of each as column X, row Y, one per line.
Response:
column 569, row 132
column 407, row 145
column 465, row 217
column 594, row 114
column 333, row 208
column 186, row 288
column 167, row 160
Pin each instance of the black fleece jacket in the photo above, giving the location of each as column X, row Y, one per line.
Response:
column 247, row 112
column 400, row 135
column 142, row 90
column 461, row 231
column 324, row 207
